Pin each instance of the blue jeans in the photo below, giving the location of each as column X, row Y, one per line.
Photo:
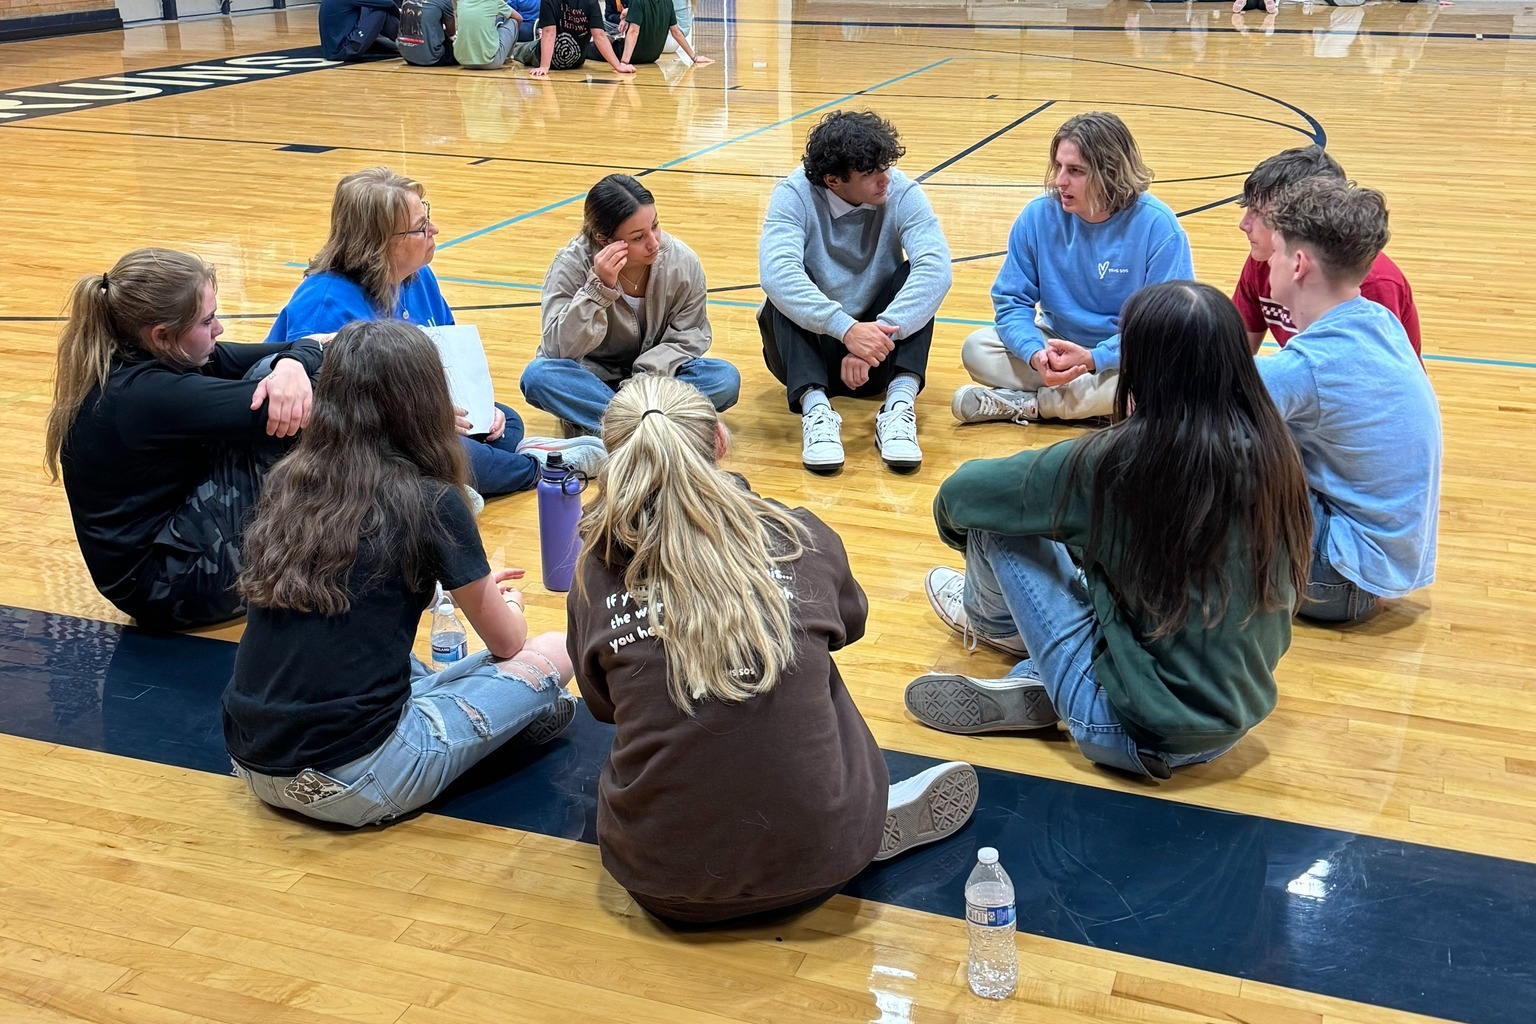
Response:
column 1031, row 586
column 571, row 392
column 497, row 467
column 453, row 719
column 1330, row 596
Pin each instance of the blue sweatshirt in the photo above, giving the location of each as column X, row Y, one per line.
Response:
column 824, row 273
column 1365, row 417
column 1080, row 274
column 328, row 302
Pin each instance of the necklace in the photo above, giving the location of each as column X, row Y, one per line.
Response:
column 634, row 286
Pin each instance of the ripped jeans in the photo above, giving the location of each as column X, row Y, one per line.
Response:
column 453, row 719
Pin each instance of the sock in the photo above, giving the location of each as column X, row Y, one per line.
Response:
column 903, row 388
column 812, row 398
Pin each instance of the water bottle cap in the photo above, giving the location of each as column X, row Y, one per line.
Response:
column 555, row 459
column 986, row 855
column 445, row 606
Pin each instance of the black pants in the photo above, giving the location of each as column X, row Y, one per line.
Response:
column 802, row 360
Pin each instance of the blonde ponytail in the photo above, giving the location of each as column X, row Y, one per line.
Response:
column 697, row 550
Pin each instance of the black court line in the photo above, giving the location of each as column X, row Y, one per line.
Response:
column 990, row 138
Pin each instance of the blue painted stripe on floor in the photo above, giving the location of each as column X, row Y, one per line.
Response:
column 1393, row 924
column 697, row 153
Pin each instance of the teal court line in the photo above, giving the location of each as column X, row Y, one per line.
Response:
column 963, row 322
column 698, row 153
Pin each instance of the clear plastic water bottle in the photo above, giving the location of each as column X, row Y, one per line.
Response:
column 450, row 641
column 994, row 958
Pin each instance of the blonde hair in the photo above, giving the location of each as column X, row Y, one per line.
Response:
column 108, row 317
column 697, row 549
column 1116, row 172
column 368, row 208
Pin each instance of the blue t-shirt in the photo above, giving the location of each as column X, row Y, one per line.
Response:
column 1365, row 418
column 327, row 302
column 1080, row 274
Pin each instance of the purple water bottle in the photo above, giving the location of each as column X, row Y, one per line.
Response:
column 560, row 489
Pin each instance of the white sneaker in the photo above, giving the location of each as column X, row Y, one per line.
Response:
column 976, row 404
column 584, row 453
column 821, row 448
column 476, row 501
column 946, row 592
column 928, row 806
column 965, row 704
column 896, row 437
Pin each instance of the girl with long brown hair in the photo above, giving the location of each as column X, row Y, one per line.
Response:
column 328, row 713
column 160, row 439
column 1144, row 576
column 742, row 779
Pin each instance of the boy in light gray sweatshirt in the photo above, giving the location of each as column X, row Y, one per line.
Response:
column 854, row 265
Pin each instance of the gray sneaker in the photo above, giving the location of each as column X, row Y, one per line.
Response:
column 965, row 704
column 976, row 404
column 554, row 721
column 928, row 806
column 584, row 453
column 821, row 448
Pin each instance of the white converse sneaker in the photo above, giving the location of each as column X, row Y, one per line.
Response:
column 976, row 404
column 928, row 806
column 965, row 704
column 896, row 437
column 946, row 592
column 821, row 449
column 583, row 453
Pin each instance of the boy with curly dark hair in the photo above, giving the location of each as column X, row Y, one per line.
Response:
column 854, row 265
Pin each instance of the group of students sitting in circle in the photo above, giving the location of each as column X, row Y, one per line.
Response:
column 1143, row 577
column 545, row 35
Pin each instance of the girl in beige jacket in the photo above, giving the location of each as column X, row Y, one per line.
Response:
column 623, row 298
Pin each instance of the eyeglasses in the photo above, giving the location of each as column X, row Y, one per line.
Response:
column 426, row 226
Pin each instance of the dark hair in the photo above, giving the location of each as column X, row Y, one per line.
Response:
column 382, row 421
column 1197, row 451
column 1287, row 168
column 850, row 140
column 610, row 203
column 1343, row 224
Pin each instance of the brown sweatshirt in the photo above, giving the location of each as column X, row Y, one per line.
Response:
column 743, row 807
column 587, row 321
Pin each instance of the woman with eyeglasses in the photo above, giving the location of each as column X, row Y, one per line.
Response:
column 374, row 265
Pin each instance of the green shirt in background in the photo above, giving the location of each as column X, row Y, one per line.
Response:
column 477, row 41
column 1196, row 690
column 655, row 18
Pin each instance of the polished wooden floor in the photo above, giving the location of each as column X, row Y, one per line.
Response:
column 137, row 892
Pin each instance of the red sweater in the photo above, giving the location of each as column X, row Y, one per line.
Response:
column 1385, row 285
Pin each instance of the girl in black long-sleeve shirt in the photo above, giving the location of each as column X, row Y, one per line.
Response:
column 161, row 441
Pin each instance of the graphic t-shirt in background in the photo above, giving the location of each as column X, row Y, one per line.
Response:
column 574, row 18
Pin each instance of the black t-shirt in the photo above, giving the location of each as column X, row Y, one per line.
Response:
column 312, row 691
column 572, row 18
column 141, row 444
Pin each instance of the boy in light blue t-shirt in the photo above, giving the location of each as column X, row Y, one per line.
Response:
column 1357, row 401
column 1075, row 255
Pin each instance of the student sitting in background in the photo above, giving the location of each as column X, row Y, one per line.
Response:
column 742, row 779
column 350, row 29
column 570, row 31
column 649, row 25
column 426, row 30
column 488, row 29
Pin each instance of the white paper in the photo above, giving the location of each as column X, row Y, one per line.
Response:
column 469, row 375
